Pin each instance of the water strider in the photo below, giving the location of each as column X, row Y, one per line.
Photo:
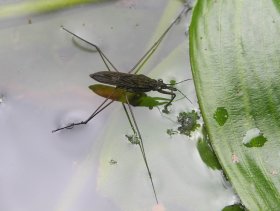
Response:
column 132, row 83
column 136, row 83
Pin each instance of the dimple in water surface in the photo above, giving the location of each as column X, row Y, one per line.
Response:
column 254, row 138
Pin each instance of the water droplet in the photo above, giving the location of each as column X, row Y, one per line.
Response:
column 254, row 138
column 221, row 115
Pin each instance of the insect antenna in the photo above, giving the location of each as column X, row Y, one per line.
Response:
column 135, row 129
column 172, row 84
column 184, row 96
column 179, row 82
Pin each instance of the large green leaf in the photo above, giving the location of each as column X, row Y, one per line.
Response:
column 235, row 58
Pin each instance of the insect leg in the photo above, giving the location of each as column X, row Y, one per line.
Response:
column 132, row 122
column 97, row 111
column 102, row 55
column 100, row 108
column 185, row 96
column 152, row 49
column 173, row 95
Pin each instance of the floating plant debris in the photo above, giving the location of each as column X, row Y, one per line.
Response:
column 188, row 122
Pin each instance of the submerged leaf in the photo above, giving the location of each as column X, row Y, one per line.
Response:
column 206, row 152
column 235, row 207
column 135, row 99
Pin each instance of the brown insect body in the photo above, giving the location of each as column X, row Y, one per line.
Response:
column 131, row 82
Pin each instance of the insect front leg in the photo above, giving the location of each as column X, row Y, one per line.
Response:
column 173, row 95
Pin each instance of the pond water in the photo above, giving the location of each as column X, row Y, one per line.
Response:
column 44, row 85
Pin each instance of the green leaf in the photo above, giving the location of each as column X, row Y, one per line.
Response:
column 135, row 99
column 235, row 207
column 206, row 152
column 235, row 59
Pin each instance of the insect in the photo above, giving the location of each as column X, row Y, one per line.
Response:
column 132, row 83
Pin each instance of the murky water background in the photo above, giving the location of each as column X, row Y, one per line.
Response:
column 44, row 84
